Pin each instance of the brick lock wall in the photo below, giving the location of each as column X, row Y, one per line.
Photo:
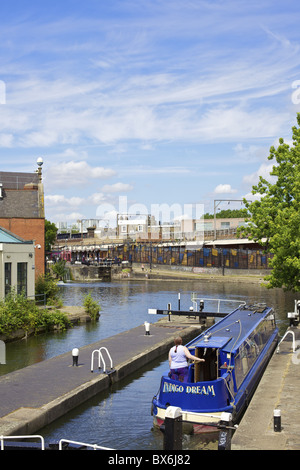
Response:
column 29, row 229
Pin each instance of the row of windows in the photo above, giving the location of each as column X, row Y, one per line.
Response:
column 21, row 278
column 251, row 349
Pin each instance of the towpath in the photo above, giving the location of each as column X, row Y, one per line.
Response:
column 278, row 389
column 35, row 396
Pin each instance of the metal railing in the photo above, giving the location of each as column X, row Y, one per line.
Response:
column 60, row 443
column 4, row 438
column 194, row 299
column 93, row 446
column 100, row 357
column 294, row 342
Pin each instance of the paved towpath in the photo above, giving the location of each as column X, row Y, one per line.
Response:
column 38, row 394
column 278, row 389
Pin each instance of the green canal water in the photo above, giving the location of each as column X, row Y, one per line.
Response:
column 120, row 418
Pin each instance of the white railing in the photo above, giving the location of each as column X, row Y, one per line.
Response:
column 5, row 438
column 194, row 299
column 294, row 342
column 100, row 357
column 60, row 444
column 93, row 446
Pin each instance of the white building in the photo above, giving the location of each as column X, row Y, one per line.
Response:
column 17, row 264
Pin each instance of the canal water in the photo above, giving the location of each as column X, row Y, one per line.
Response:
column 120, row 417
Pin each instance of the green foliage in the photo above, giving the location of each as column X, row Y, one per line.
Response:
column 92, row 307
column 228, row 214
column 275, row 217
column 50, row 234
column 59, row 268
column 18, row 312
column 46, row 284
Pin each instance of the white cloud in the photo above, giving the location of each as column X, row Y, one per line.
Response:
column 224, row 189
column 117, row 188
column 74, row 173
column 96, row 198
column 59, row 199
column 6, row 140
column 263, row 170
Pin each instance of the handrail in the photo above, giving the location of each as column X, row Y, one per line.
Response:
column 194, row 299
column 94, row 446
column 44, row 299
column 294, row 342
column 100, row 356
column 4, row 438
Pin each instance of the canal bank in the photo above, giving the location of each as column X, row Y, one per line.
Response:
column 37, row 395
column 75, row 314
column 183, row 273
column 277, row 390
column 145, row 272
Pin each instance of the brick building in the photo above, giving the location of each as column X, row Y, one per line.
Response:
column 22, row 210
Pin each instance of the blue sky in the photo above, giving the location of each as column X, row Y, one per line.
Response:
column 158, row 102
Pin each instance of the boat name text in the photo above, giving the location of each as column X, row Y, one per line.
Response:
column 197, row 389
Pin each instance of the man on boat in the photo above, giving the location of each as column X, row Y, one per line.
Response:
column 178, row 356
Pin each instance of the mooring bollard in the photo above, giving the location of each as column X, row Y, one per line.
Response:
column 277, row 420
column 75, row 354
column 147, row 328
column 225, row 431
column 173, row 429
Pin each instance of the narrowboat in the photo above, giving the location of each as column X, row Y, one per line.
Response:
column 236, row 350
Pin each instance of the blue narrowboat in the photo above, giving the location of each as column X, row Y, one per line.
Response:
column 236, row 351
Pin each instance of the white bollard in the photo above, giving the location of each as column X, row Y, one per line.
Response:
column 75, row 354
column 147, row 328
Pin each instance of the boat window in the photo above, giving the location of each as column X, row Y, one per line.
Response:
column 251, row 349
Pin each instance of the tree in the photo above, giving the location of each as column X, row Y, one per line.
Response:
column 228, row 214
column 50, row 234
column 275, row 218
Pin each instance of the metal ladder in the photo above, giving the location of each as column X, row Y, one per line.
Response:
column 100, row 357
column 294, row 340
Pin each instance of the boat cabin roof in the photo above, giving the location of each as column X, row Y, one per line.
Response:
column 230, row 332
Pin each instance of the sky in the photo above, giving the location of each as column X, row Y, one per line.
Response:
column 136, row 104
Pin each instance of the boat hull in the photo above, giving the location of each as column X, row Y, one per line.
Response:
column 207, row 426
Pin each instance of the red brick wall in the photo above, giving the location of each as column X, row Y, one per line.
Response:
column 29, row 229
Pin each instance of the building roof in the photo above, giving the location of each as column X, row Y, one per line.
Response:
column 19, row 195
column 17, row 180
column 8, row 237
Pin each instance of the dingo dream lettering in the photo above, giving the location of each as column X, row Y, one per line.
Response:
column 197, row 389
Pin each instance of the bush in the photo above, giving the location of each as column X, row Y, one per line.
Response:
column 46, row 284
column 92, row 307
column 18, row 312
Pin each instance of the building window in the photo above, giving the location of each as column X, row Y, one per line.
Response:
column 225, row 225
column 22, row 278
column 7, row 278
column 208, row 226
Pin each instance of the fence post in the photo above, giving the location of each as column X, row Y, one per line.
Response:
column 173, row 429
